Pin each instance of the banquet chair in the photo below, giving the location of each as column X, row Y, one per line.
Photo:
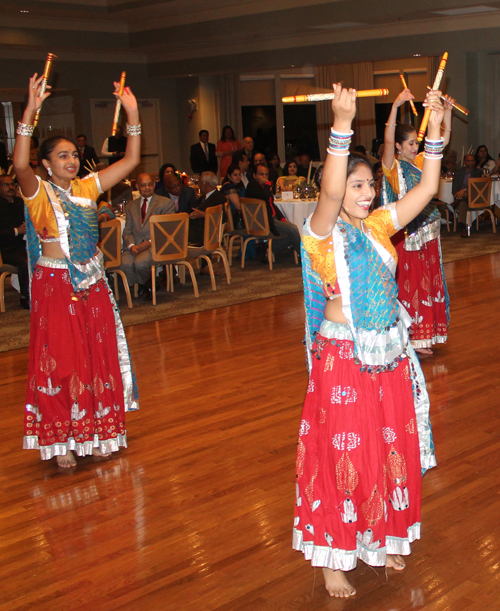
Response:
column 212, row 243
column 257, row 227
column 5, row 270
column 169, row 247
column 231, row 234
column 110, row 244
column 479, row 200
column 443, row 210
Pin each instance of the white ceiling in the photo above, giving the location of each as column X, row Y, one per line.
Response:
column 179, row 37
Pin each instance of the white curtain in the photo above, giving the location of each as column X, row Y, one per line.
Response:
column 359, row 76
column 228, row 101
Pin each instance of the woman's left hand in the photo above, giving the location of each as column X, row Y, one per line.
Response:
column 433, row 102
column 448, row 103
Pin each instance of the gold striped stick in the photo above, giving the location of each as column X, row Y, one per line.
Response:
column 118, row 106
column 48, row 65
column 411, row 101
column 437, row 82
column 320, row 97
column 455, row 105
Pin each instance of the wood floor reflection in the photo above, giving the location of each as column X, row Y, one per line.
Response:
column 197, row 513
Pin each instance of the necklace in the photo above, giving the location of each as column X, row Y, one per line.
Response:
column 67, row 191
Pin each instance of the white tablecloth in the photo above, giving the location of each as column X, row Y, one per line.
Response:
column 296, row 211
column 445, row 195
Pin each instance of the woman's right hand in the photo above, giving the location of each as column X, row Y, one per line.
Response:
column 405, row 96
column 34, row 100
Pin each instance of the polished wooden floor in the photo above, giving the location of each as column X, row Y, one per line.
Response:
column 196, row 514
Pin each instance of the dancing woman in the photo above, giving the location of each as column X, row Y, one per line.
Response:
column 80, row 380
column 420, row 273
column 364, row 437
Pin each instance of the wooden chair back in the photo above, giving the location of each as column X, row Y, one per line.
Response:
column 213, row 224
column 255, row 216
column 110, row 242
column 169, row 236
column 479, row 192
column 229, row 218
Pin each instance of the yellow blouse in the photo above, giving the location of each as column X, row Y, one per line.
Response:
column 380, row 225
column 392, row 175
column 42, row 214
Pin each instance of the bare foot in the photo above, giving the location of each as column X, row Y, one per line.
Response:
column 67, row 461
column 395, row 562
column 96, row 453
column 337, row 585
column 424, row 350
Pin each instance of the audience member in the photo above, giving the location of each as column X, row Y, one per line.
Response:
column 483, row 159
column 242, row 162
column 303, row 166
column 274, row 162
column 450, row 162
column 247, row 150
column 290, row 178
column 460, row 190
column 202, row 157
column 136, row 256
column 113, row 148
column 184, row 197
column 259, row 187
column 12, row 232
column 233, row 188
column 87, row 155
column 227, row 145
column 210, row 197
column 260, row 158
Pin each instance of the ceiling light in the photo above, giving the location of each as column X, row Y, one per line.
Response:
column 24, row 11
column 467, row 10
column 417, row 55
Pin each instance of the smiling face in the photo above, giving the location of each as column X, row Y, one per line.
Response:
column 408, row 149
column 63, row 161
column 235, row 177
column 359, row 194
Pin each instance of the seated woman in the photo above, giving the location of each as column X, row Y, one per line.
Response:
column 275, row 163
column 166, row 168
column 483, row 159
column 233, row 188
column 289, row 178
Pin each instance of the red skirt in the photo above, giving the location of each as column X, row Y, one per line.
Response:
column 75, row 397
column 422, row 291
column 358, row 486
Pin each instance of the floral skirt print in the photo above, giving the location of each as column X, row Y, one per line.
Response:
column 358, row 486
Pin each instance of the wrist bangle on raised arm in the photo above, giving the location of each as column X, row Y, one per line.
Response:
column 433, row 149
column 339, row 143
column 133, row 130
column 23, row 129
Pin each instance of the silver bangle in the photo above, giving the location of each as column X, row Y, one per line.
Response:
column 23, row 129
column 133, row 130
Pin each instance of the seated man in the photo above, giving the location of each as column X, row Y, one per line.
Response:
column 260, row 158
column 460, row 190
column 303, row 166
column 12, row 231
column 259, row 187
column 210, row 196
column 246, row 150
column 241, row 160
column 136, row 256
column 183, row 197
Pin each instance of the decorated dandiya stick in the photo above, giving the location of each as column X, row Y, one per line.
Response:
column 43, row 85
column 437, row 82
column 320, row 97
column 118, row 106
column 454, row 104
column 411, row 101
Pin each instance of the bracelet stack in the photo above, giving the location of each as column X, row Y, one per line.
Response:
column 433, row 149
column 23, row 129
column 339, row 143
column 133, row 130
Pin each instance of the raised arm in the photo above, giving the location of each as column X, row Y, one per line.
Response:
column 417, row 198
column 21, row 157
column 335, row 169
column 390, row 128
column 446, row 126
column 119, row 170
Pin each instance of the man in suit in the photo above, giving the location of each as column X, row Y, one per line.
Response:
column 460, row 190
column 203, row 157
column 210, row 196
column 247, row 150
column 87, row 155
column 183, row 197
column 136, row 256
column 12, row 232
column 114, row 147
column 260, row 159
